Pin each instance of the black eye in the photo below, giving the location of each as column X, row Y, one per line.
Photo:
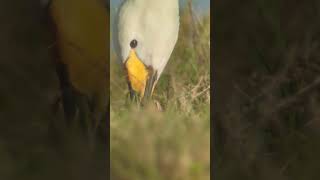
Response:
column 134, row 43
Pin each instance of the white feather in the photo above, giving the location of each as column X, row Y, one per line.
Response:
column 154, row 24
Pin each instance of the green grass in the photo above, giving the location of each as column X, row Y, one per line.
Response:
column 175, row 143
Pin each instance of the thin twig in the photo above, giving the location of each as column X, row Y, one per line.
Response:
column 200, row 93
column 301, row 93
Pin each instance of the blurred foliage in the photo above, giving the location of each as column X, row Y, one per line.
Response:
column 34, row 144
column 267, row 89
column 174, row 144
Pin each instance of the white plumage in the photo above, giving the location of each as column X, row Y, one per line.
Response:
column 154, row 24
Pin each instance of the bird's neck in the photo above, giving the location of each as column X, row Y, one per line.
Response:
column 159, row 3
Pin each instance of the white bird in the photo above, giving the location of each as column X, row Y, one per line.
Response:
column 145, row 35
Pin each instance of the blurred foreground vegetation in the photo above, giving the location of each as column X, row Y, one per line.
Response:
column 266, row 74
column 174, row 144
column 34, row 143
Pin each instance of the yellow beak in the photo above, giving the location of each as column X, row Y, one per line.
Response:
column 141, row 79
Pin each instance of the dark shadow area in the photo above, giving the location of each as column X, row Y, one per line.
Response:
column 267, row 82
column 34, row 143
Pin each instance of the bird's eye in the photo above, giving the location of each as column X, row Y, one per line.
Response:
column 134, row 43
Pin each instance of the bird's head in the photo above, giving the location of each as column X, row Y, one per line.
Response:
column 146, row 33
